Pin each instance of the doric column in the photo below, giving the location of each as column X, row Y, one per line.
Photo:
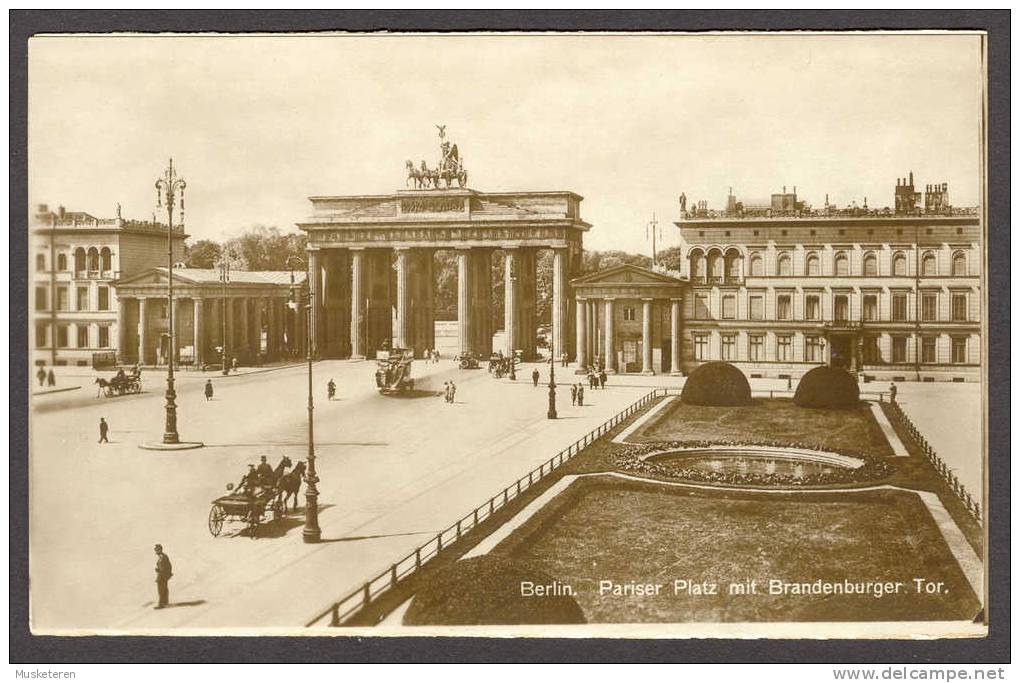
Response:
column 314, row 284
column 559, row 296
column 245, row 343
column 591, row 307
column 230, row 341
column 646, row 337
column 511, row 296
column 198, row 329
column 122, row 328
column 257, row 327
column 402, row 325
column 427, row 299
column 610, row 347
column 357, row 303
column 481, row 278
column 674, row 336
column 143, row 343
column 582, row 334
column 465, row 323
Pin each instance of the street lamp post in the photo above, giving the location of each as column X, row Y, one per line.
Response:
column 551, row 413
column 312, row 533
column 167, row 189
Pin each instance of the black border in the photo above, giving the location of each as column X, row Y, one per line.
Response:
column 26, row 648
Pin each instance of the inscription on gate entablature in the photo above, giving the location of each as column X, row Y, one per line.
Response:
column 457, row 234
column 432, row 205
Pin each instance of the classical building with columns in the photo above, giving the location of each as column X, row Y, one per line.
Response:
column 778, row 287
column 629, row 320
column 250, row 312
column 76, row 257
column 371, row 259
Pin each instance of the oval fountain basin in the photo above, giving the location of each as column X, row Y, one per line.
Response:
column 756, row 460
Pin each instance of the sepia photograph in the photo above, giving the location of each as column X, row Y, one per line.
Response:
column 583, row 335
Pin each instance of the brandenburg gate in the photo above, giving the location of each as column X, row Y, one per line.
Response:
column 355, row 243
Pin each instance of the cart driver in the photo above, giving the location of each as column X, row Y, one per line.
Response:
column 248, row 482
column 119, row 377
column 264, row 473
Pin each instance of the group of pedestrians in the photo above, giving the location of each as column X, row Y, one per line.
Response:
column 596, row 378
column 431, row 355
column 46, row 378
column 577, row 394
column 449, row 391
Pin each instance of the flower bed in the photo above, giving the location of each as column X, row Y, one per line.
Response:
column 629, row 459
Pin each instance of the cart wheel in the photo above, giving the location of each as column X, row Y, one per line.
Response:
column 109, row 392
column 216, row 517
column 277, row 510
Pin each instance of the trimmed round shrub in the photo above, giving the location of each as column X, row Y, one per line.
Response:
column 827, row 387
column 716, row 384
column 487, row 590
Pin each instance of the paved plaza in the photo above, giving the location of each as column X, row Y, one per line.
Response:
column 394, row 471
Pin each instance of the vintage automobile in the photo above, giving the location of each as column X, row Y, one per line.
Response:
column 393, row 374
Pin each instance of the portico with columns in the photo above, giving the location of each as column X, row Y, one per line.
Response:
column 373, row 256
column 250, row 313
column 629, row 321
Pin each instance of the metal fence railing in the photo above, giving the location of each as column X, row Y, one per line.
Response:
column 946, row 472
column 353, row 602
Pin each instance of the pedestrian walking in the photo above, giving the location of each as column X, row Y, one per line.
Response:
column 563, row 359
column 446, row 391
column 208, row 390
column 573, row 394
column 104, row 428
column 331, row 389
column 602, row 379
column 453, row 392
column 534, row 377
column 41, row 375
column 892, row 392
column 580, row 395
column 591, row 380
column 51, row 379
column 435, row 356
column 164, row 570
column 234, row 363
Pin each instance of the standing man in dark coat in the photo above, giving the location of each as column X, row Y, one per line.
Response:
column 602, row 379
column 580, row 394
column 573, row 394
column 164, row 570
column 51, row 379
column 103, row 429
column 208, row 390
column 41, row 375
column 534, row 377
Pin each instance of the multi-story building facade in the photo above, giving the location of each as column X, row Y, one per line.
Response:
column 888, row 293
column 75, row 258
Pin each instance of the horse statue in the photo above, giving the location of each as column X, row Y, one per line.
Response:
column 289, row 484
column 452, row 166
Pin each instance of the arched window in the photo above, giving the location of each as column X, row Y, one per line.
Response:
column 105, row 260
column 811, row 264
column 697, row 264
column 928, row 264
column 870, row 264
column 959, row 264
column 93, row 259
column 79, row 260
column 842, row 264
column 40, row 262
column 784, row 266
column 61, row 261
column 733, row 265
column 899, row 264
column 715, row 264
column 756, row 265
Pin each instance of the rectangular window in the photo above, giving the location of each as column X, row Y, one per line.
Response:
column 899, row 306
column 871, row 307
column 40, row 335
column 701, row 347
column 756, row 347
column 784, row 307
column 729, row 307
column 729, row 347
column 62, row 302
column 841, row 308
column 784, row 347
column 959, row 307
column 701, row 311
column 928, row 349
column 104, row 337
column 62, row 336
column 870, row 350
column 40, row 299
column 757, row 306
column 899, row 349
column 83, row 298
column 83, row 336
column 104, row 299
column 929, row 306
column 812, row 307
column 959, row 349
column 162, row 310
column 628, row 313
column 813, row 349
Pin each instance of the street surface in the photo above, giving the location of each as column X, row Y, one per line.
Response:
column 393, row 471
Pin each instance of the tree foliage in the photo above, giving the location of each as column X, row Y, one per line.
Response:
column 716, row 384
column 258, row 248
column 203, row 254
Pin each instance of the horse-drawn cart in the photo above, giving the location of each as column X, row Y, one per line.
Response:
column 120, row 384
column 251, row 509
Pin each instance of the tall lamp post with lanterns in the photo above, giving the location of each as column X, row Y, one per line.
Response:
column 551, row 413
column 169, row 187
column 312, row 533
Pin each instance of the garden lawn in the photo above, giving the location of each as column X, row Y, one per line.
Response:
column 648, row 534
column 778, row 419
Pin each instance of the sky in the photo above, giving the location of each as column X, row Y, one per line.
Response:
column 257, row 124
